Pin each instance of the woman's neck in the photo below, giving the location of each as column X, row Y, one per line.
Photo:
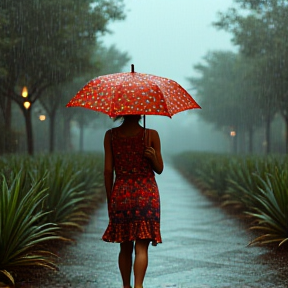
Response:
column 130, row 126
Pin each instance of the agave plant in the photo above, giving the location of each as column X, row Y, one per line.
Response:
column 70, row 191
column 20, row 232
column 272, row 209
column 242, row 183
column 208, row 171
column 214, row 172
column 257, row 185
column 35, row 205
column 74, row 183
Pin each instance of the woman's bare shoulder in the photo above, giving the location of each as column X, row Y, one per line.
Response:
column 108, row 134
column 153, row 137
column 153, row 132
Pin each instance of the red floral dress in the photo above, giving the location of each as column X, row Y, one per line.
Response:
column 134, row 208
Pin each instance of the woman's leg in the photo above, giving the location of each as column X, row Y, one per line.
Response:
column 125, row 262
column 140, row 262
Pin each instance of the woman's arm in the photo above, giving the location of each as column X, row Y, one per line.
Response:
column 108, row 164
column 153, row 151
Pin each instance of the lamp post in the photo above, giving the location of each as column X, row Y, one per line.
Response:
column 27, row 114
column 233, row 135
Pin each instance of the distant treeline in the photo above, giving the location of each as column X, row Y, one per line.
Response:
column 245, row 94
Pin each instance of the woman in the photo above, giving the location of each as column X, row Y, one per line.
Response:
column 134, row 153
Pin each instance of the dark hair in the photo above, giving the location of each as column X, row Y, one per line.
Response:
column 122, row 117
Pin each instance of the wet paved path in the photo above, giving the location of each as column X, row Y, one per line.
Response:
column 202, row 247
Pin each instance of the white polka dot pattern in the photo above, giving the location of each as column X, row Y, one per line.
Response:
column 133, row 93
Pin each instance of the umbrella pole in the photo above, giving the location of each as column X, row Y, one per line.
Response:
column 144, row 124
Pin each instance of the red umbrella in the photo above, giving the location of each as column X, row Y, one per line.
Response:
column 133, row 93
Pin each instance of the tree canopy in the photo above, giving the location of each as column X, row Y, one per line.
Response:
column 260, row 30
column 51, row 41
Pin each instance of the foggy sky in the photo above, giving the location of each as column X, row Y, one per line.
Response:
column 167, row 38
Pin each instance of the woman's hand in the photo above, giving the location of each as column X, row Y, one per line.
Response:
column 150, row 153
column 155, row 157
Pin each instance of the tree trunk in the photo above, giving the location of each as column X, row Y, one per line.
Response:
column 267, row 135
column 7, row 121
column 81, row 137
column 29, row 131
column 67, row 145
column 233, row 141
column 52, row 132
column 286, row 134
column 235, row 144
column 241, row 141
column 250, row 139
column 7, row 115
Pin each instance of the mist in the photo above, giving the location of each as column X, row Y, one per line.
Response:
column 167, row 38
column 183, row 132
column 230, row 55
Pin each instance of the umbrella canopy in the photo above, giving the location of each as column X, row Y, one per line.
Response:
column 133, row 93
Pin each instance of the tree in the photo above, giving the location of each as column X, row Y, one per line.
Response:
column 110, row 60
column 49, row 43
column 226, row 91
column 263, row 35
column 106, row 61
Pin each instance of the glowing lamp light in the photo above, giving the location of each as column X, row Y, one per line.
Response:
column 42, row 117
column 27, row 104
column 25, row 92
column 233, row 133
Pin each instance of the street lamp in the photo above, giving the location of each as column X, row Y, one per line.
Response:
column 27, row 103
column 24, row 92
column 42, row 117
column 232, row 133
